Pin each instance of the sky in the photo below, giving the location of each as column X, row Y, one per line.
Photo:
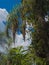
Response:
column 8, row 4
column 5, row 7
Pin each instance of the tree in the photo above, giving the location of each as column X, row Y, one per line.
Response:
column 4, row 47
column 35, row 59
column 12, row 24
column 19, row 56
column 3, row 59
column 35, row 11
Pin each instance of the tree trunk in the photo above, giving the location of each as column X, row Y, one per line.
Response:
column 47, row 59
column 8, row 63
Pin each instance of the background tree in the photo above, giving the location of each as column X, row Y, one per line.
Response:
column 12, row 24
column 35, row 11
column 4, row 48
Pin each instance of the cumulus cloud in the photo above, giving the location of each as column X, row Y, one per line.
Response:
column 19, row 38
column 3, row 16
column 20, row 42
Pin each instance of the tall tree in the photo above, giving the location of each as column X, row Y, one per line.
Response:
column 35, row 11
column 12, row 23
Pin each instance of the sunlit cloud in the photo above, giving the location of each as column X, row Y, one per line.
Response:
column 19, row 41
column 3, row 17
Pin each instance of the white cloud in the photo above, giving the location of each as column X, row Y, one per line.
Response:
column 20, row 42
column 3, row 16
column 19, row 38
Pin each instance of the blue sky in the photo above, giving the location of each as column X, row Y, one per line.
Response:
column 8, row 4
column 5, row 7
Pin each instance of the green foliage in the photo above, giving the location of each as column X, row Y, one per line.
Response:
column 36, row 11
column 36, row 60
column 19, row 56
column 12, row 24
column 3, row 59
